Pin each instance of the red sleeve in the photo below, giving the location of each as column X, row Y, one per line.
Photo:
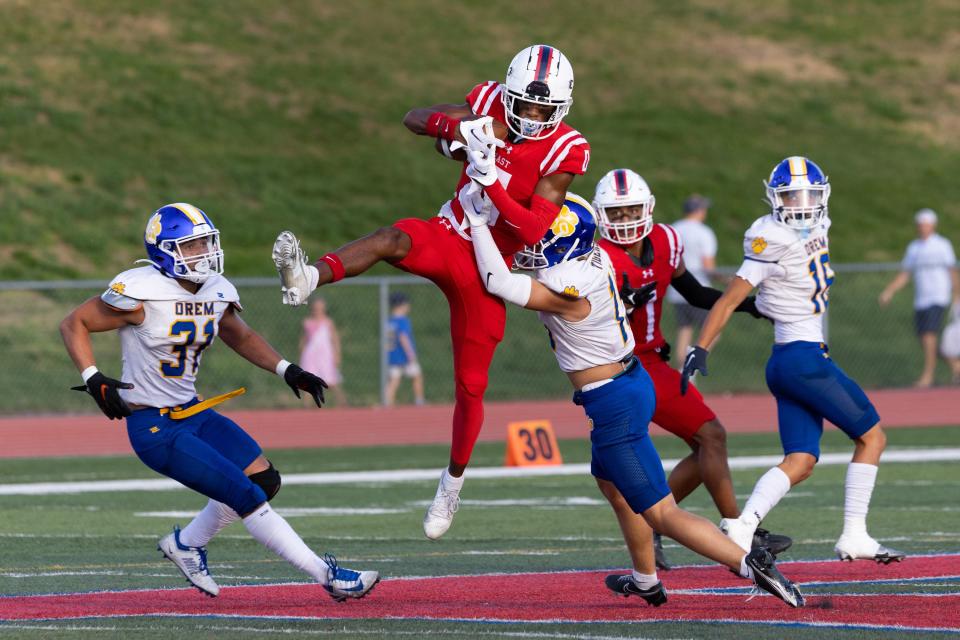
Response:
column 572, row 157
column 527, row 225
column 483, row 96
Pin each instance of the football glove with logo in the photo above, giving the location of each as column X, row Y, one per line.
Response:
column 299, row 379
column 104, row 391
column 696, row 361
column 636, row 296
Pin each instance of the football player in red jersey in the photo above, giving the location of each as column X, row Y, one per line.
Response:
column 648, row 258
column 534, row 168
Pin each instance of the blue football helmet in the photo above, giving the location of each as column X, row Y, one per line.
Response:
column 798, row 192
column 170, row 229
column 570, row 236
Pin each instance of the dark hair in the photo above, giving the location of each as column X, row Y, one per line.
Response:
column 398, row 299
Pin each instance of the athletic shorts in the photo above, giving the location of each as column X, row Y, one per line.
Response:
column 681, row 415
column 809, row 387
column 206, row 452
column 929, row 319
column 689, row 315
column 621, row 448
column 411, row 370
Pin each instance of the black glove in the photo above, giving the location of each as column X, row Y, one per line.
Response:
column 299, row 379
column 696, row 361
column 637, row 297
column 104, row 391
column 664, row 352
column 749, row 305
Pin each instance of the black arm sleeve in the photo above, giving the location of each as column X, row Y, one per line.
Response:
column 705, row 297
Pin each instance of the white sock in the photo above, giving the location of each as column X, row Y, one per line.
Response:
column 745, row 570
column 645, row 580
column 450, row 483
column 769, row 490
column 859, row 487
column 206, row 524
column 273, row 532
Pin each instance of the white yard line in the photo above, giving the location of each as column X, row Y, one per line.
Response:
column 416, row 475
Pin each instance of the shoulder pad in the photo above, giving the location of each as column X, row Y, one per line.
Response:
column 119, row 301
column 767, row 241
column 575, row 278
column 219, row 289
column 143, row 283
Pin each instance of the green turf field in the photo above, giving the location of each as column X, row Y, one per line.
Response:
column 274, row 115
column 93, row 541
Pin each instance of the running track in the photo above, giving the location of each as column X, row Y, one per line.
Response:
column 74, row 435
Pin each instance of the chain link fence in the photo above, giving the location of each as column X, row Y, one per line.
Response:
column 876, row 346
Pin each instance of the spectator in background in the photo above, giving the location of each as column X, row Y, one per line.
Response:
column 401, row 350
column 320, row 349
column 700, row 258
column 933, row 265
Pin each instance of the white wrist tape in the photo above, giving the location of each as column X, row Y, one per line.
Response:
column 87, row 373
column 282, row 367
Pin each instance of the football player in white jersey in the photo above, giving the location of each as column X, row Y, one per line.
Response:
column 575, row 293
column 167, row 313
column 786, row 255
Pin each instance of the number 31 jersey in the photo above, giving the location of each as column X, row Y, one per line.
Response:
column 161, row 356
column 792, row 269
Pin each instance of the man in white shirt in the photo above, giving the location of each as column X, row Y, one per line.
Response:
column 700, row 257
column 932, row 263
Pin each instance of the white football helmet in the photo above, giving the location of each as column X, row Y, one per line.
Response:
column 624, row 188
column 543, row 75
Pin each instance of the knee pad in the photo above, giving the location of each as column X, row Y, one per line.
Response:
column 268, row 480
column 471, row 385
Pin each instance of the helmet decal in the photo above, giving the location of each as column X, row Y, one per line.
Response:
column 565, row 223
column 569, row 237
column 154, row 227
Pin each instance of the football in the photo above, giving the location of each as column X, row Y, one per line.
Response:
column 499, row 129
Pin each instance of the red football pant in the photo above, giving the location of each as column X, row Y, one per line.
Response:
column 477, row 319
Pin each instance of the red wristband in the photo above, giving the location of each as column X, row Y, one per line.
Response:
column 336, row 267
column 440, row 125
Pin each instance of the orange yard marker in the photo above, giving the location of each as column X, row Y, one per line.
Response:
column 531, row 443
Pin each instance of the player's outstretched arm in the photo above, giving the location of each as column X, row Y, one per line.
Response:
column 703, row 297
column 516, row 288
column 529, row 225
column 418, row 120
column 249, row 344
column 95, row 316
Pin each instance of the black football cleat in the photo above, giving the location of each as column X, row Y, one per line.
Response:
column 658, row 555
column 774, row 542
column 626, row 586
column 768, row 578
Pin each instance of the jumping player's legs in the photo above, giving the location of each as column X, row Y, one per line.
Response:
column 387, row 243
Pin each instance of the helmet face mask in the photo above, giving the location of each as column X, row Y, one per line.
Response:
column 182, row 243
column 569, row 237
column 539, row 75
column 798, row 192
column 624, row 205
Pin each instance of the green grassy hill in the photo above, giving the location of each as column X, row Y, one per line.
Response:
column 272, row 115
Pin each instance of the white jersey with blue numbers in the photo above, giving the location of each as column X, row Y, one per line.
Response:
column 792, row 269
column 602, row 337
column 161, row 356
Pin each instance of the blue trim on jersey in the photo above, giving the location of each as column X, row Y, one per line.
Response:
column 206, row 452
column 759, row 260
column 621, row 448
column 809, row 387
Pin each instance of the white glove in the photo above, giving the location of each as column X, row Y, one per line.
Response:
column 479, row 135
column 476, row 205
column 482, row 167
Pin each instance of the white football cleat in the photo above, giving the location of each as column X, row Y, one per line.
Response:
column 850, row 548
column 298, row 278
column 347, row 583
column 738, row 531
column 191, row 561
column 439, row 514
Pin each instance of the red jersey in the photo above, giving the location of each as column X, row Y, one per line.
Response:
column 520, row 165
column 667, row 253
